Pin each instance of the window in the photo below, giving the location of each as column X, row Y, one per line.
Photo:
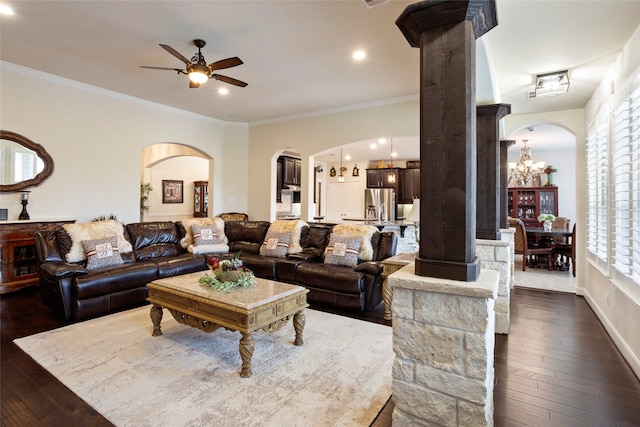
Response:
column 596, row 227
column 626, row 188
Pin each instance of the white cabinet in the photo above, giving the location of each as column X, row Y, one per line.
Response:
column 344, row 200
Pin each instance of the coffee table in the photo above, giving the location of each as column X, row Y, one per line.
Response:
column 268, row 306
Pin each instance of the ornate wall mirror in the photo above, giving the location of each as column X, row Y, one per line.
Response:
column 24, row 163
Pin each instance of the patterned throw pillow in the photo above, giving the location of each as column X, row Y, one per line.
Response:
column 102, row 252
column 342, row 250
column 204, row 235
column 275, row 244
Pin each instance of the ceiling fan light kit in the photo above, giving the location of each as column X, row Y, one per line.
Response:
column 198, row 70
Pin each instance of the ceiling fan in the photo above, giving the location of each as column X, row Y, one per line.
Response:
column 198, row 70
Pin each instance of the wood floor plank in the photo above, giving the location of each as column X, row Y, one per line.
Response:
column 556, row 367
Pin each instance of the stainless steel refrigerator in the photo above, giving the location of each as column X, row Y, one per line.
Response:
column 380, row 204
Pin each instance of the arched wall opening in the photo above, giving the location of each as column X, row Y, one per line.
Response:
column 555, row 144
column 174, row 162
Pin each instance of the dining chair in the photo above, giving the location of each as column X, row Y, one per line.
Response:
column 563, row 223
column 521, row 245
column 567, row 252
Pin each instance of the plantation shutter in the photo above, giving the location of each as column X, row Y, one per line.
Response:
column 626, row 188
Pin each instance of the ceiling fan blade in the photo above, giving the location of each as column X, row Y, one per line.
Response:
column 226, row 63
column 228, row 80
column 193, row 85
column 175, row 53
column 163, row 68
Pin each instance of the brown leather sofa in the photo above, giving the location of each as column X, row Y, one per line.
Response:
column 75, row 293
column 356, row 289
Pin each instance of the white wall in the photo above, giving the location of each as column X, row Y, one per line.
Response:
column 186, row 169
column 311, row 135
column 96, row 138
column 616, row 303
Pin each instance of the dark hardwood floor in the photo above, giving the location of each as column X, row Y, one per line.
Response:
column 557, row 367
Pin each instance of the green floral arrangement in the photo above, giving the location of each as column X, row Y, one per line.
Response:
column 228, row 274
column 546, row 217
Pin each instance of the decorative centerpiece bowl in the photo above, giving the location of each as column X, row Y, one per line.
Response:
column 228, row 274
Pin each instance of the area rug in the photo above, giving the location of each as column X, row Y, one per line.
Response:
column 341, row 376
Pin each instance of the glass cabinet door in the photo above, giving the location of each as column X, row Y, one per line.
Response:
column 547, row 202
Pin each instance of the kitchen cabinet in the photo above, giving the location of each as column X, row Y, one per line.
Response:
column 379, row 178
column 527, row 203
column 18, row 256
column 201, row 199
column 344, row 201
column 409, row 185
column 291, row 170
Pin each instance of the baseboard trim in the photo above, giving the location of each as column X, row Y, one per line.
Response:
column 620, row 343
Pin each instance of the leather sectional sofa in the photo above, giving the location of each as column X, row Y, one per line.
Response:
column 74, row 292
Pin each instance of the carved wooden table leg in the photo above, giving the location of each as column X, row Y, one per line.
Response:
column 156, row 318
column 246, row 353
column 298, row 325
column 387, row 297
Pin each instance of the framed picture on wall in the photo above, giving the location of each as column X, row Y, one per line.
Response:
column 172, row 191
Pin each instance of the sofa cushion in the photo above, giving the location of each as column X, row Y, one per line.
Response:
column 102, row 252
column 110, row 280
column 333, row 278
column 342, row 250
column 180, row 264
column 315, row 237
column 154, row 239
column 275, row 244
column 91, row 231
column 246, row 236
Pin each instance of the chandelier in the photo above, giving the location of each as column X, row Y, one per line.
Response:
column 525, row 170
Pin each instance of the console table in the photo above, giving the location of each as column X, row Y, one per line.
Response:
column 390, row 266
column 18, row 257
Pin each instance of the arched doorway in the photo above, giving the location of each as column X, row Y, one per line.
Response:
column 179, row 163
column 556, row 146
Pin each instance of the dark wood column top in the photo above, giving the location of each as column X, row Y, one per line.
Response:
column 426, row 15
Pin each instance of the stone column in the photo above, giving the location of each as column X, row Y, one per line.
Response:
column 504, row 182
column 445, row 32
column 489, row 183
column 443, row 337
column 496, row 255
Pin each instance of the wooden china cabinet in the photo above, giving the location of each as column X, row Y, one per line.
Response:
column 201, row 199
column 18, row 257
column 526, row 203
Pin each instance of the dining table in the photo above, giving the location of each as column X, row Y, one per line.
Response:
column 545, row 237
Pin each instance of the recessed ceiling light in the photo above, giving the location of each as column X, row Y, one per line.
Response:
column 381, row 141
column 223, row 91
column 5, row 10
column 347, row 157
column 359, row 55
column 373, row 146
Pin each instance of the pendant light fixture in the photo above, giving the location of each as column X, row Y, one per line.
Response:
column 341, row 175
column 391, row 177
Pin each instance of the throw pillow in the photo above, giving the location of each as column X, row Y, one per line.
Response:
column 91, row 231
column 204, row 235
column 342, row 250
column 102, row 252
column 275, row 244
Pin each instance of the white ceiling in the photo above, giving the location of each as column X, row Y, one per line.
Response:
column 297, row 54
